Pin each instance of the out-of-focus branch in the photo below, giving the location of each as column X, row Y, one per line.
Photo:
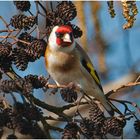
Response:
column 129, row 85
column 100, row 42
column 82, row 22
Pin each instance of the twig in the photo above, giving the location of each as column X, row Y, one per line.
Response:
column 57, row 110
column 55, row 128
column 45, row 11
column 51, row 6
column 1, row 31
column 126, row 107
column 62, row 119
column 32, row 30
column 137, row 79
column 73, row 105
column 6, row 24
column 30, row 13
column 46, row 128
column 13, row 37
column 6, row 37
column 131, row 84
column 18, row 33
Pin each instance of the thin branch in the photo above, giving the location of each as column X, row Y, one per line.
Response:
column 30, row 13
column 51, row 4
column 55, row 128
column 62, row 119
column 73, row 105
column 14, row 38
column 2, row 31
column 123, row 102
column 46, row 128
column 57, row 110
column 5, row 23
column 75, row 87
column 45, row 11
column 131, row 84
column 32, row 30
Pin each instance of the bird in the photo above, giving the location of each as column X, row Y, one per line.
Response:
column 67, row 62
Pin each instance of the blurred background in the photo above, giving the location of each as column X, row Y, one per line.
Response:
column 114, row 51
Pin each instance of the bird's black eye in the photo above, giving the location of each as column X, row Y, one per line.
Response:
column 59, row 35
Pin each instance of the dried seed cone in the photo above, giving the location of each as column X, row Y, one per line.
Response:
column 113, row 126
column 137, row 126
column 31, row 128
column 68, row 95
column 58, row 21
column 5, row 64
column 23, row 126
column 111, row 8
column 31, row 21
column 10, row 123
column 129, row 13
column 36, row 49
column 6, row 118
column 16, row 85
column 18, row 108
column 70, row 131
column 25, row 37
column 8, row 86
column 20, row 58
column 24, row 86
column 77, row 32
column 96, row 115
column 50, row 17
column 28, row 111
column 53, row 19
column 134, row 8
column 66, row 10
column 3, row 118
column 87, row 127
column 36, row 82
column 5, row 49
column 32, row 112
column 22, row 5
column 5, row 56
column 21, row 21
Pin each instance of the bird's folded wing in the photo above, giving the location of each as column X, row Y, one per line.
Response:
column 87, row 64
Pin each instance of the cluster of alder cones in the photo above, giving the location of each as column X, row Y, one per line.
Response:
column 24, row 117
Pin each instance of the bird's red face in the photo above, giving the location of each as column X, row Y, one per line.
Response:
column 64, row 36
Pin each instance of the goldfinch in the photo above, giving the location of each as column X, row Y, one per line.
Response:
column 67, row 63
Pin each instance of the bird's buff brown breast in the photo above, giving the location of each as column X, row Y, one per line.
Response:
column 60, row 61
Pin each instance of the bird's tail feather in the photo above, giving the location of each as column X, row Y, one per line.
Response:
column 111, row 109
column 114, row 108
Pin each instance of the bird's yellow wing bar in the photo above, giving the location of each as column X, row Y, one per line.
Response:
column 89, row 67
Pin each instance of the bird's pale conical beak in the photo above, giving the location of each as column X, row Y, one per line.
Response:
column 67, row 38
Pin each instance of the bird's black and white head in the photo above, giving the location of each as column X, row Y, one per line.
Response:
column 62, row 39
